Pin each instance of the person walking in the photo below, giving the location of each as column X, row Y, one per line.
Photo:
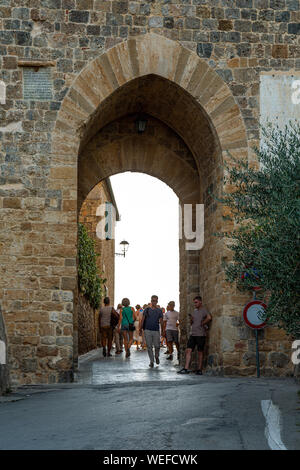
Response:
column 199, row 321
column 171, row 322
column 106, row 329
column 168, row 308
column 126, row 324
column 144, row 346
column 136, row 334
column 161, row 330
column 152, row 318
column 117, row 336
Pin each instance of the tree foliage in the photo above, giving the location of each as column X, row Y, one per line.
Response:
column 90, row 283
column 265, row 206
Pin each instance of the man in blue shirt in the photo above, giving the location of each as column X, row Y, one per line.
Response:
column 152, row 316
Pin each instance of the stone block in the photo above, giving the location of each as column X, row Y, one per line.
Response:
column 282, row 16
column 12, row 203
column 32, row 340
column 10, row 62
column 120, row 7
column 23, row 38
column 277, row 4
column 68, row 283
column 84, row 4
column 64, row 341
column 192, row 23
column 231, row 359
column 45, row 351
column 280, row 51
column 29, row 365
column 293, row 5
column 64, row 173
column 155, row 22
column 249, row 358
column 66, row 376
column 244, row 3
column 79, row 16
column 67, row 317
column 204, row 49
column 294, row 28
column 48, row 340
column 225, row 25
column 278, row 359
column 203, row 11
column 168, row 22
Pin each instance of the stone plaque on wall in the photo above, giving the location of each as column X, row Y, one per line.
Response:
column 279, row 98
column 37, row 84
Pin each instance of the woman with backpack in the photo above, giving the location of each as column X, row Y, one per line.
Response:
column 126, row 324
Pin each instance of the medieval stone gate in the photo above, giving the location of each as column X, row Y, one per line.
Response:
column 188, row 103
column 88, row 134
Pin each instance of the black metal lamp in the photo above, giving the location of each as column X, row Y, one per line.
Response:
column 141, row 123
column 124, row 246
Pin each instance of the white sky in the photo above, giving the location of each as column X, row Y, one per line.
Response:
column 149, row 222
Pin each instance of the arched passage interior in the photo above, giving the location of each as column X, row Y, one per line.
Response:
column 177, row 146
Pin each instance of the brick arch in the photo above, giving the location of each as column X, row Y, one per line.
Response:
column 203, row 113
column 149, row 54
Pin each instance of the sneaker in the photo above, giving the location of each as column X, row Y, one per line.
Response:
column 127, row 353
column 157, row 360
column 183, row 371
column 199, row 372
column 170, row 358
column 104, row 352
column 151, row 364
column 109, row 355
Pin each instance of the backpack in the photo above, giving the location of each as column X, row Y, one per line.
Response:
column 114, row 319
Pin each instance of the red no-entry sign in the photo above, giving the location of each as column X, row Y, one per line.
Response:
column 253, row 313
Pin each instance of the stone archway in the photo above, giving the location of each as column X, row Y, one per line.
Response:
column 175, row 86
column 178, row 89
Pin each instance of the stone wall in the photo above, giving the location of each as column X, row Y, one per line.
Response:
column 205, row 58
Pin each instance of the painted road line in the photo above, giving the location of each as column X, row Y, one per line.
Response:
column 273, row 427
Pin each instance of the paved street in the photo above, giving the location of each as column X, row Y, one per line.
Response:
column 119, row 403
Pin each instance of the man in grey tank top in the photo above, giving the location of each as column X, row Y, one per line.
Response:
column 106, row 330
column 199, row 320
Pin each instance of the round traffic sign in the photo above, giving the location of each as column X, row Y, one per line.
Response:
column 253, row 313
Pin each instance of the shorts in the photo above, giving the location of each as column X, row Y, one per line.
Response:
column 172, row 336
column 125, row 328
column 198, row 341
column 106, row 333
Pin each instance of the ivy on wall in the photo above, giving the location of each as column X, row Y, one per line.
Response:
column 90, row 283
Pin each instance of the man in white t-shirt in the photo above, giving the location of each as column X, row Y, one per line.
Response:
column 171, row 322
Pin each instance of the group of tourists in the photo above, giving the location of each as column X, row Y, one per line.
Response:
column 149, row 327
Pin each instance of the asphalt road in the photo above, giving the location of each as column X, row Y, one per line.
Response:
column 121, row 404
